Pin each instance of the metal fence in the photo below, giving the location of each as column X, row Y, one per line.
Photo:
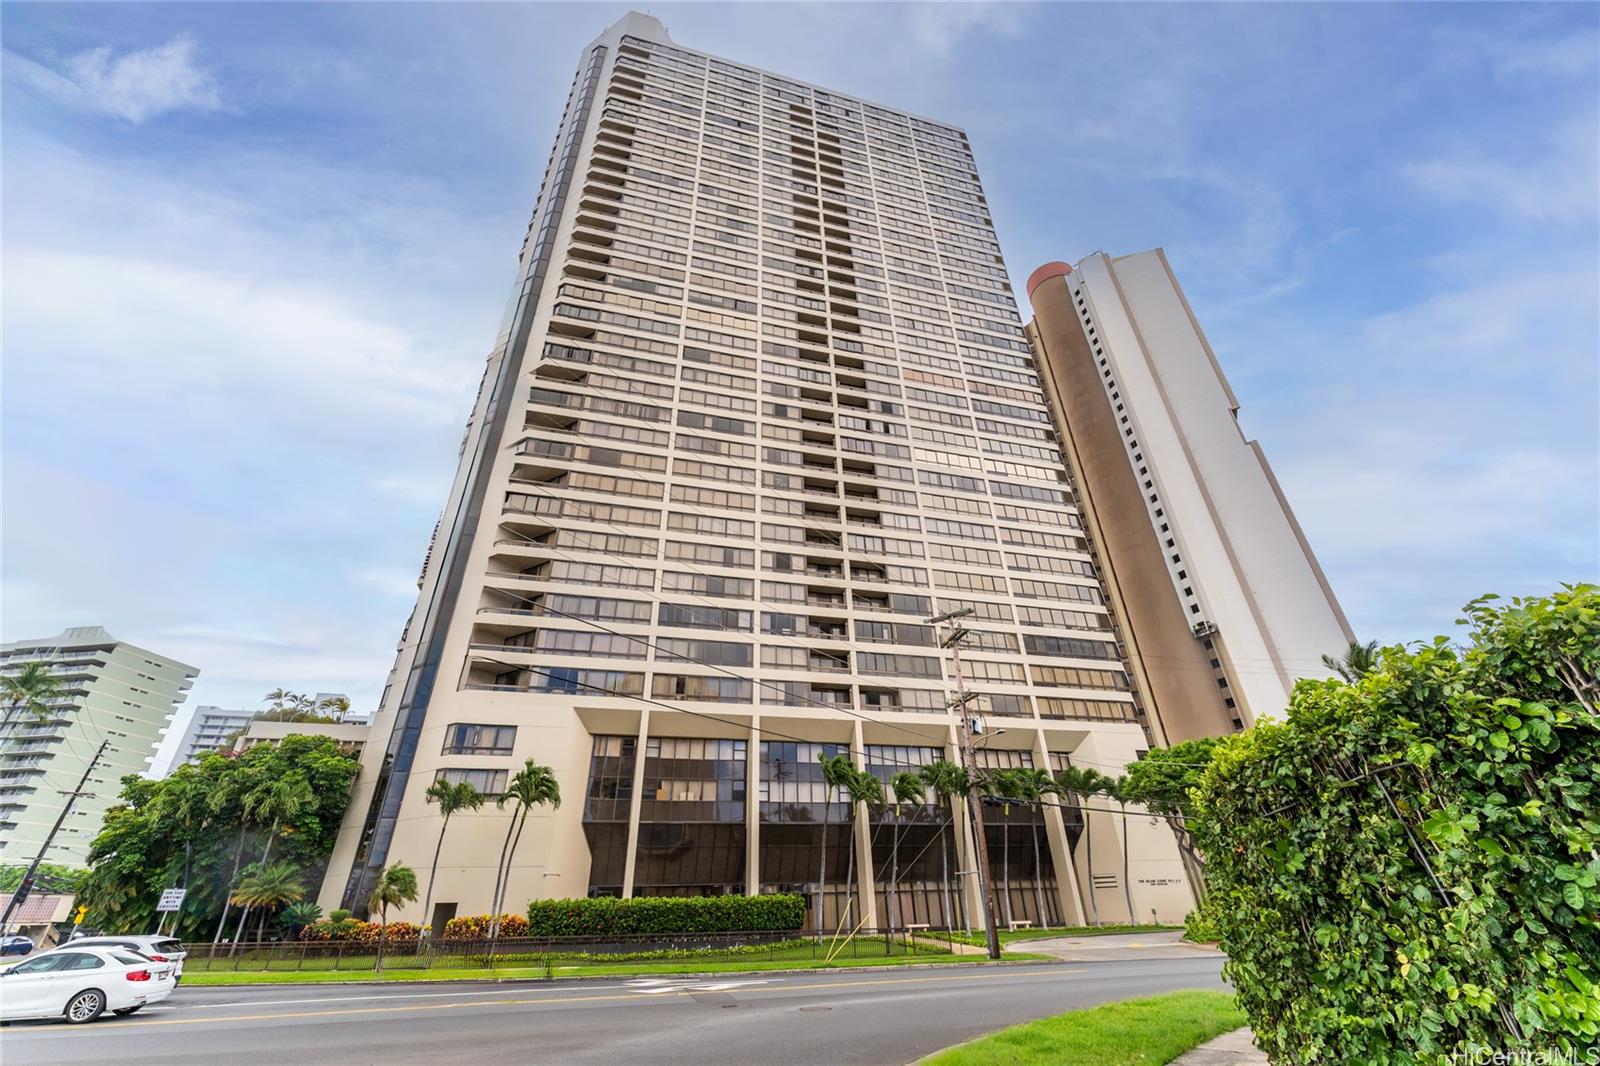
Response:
column 550, row 954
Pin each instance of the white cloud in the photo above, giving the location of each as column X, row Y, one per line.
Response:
column 937, row 28
column 1557, row 184
column 136, row 85
column 1558, row 57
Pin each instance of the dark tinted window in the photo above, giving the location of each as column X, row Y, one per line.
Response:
column 83, row 962
column 169, row 947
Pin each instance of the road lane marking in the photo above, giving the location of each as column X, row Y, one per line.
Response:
column 633, row 997
column 504, row 991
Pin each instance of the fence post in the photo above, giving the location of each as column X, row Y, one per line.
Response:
column 338, row 954
column 300, row 965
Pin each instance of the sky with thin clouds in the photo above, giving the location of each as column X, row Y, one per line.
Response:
column 254, row 256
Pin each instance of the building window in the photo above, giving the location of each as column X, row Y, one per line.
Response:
column 487, row 782
column 467, row 739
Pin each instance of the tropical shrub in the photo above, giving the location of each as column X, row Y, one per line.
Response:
column 358, row 932
column 476, row 926
column 1407, row 869
column 666, row 915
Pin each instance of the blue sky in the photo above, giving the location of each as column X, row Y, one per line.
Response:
column 254, row 256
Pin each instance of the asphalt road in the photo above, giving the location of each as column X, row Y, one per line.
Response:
column 882, row 1018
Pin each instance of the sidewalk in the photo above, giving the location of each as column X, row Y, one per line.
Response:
column 1157, row 944
column 1229, row 1049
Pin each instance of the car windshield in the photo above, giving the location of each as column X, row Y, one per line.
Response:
column 169, row 947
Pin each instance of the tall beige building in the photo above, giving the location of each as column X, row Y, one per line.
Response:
column 1224, row 603
column 760, row 405
column 110, row 691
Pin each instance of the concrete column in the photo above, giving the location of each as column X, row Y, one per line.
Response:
column 1055, row 826
column 752, row 810
column 633, row 805
column 866, row 914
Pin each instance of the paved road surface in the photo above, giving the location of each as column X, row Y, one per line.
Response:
column 881, row 1018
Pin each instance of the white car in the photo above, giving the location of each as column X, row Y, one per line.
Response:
column 81, row 983
column 157, row 948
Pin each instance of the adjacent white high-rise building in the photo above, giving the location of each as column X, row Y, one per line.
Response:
column 760, row 405
column 1194, row 524
column 211, row 729
column 110, row 691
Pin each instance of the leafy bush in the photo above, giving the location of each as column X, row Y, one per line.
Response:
column 358, row 932
column 476, row 926
column 1405, row 869
column 665, row 915
column 1199, row 927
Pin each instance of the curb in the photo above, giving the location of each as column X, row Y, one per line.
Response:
column 626, row 977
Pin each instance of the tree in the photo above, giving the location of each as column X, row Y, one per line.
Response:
column 836, row 771
column 862, row 788
column 270, row 803
column 296, row 916
column 1163, row 782
column 1358, row 661
column 50, row 877
column 1004, row 787
column 1032, row 785
column 947, row 781
column 267, row 887
column 532, row 786
column 195, row 818
column 1081, row 783
column 907, row 788
column 1419, row 849
column 1115, row 788
column 335, row 707
column 451, row 797
column 28, row 692
column 397, row 886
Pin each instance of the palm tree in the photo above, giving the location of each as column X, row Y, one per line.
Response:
column 335, row 707
column 1032, row 785
column 1359, row 660
column 26, row 691
column 1081, row 784
column 947, row 781
column 274, row 802
column 1004, row 786
column 836, row 770
column 231, row 794
column 451, row 797
column 267, row 887
column 862, row 787
column 532, row 786
column 278, row 698
column 397, row 886
column 1117, row 789
column 184, row 803
column 906, row 787
column 296, row 916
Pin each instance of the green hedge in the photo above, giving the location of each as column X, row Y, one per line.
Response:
column 1405, row 870
column 665, row 915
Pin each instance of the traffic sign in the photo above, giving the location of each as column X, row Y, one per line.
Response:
column 171, row 899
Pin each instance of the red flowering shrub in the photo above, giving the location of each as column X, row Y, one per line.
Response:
column 358, row 932
column 476, row 926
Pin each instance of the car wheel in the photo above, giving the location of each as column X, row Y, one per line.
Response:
column 125, row 1011
column 86, row 1006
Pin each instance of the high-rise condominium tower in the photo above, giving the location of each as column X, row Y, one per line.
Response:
column 761, row 404
column 109, row 691
column 1197, row 535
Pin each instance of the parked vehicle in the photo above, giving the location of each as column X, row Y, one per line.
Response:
column 79, row 984
column 15, row 945
column 158, row 948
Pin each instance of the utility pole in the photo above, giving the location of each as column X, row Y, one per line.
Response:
column 72, row 797
column 969, row 764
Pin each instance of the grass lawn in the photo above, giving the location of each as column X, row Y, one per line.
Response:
column 1137, row 1032
column 1007, row 936
column 201, row 978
